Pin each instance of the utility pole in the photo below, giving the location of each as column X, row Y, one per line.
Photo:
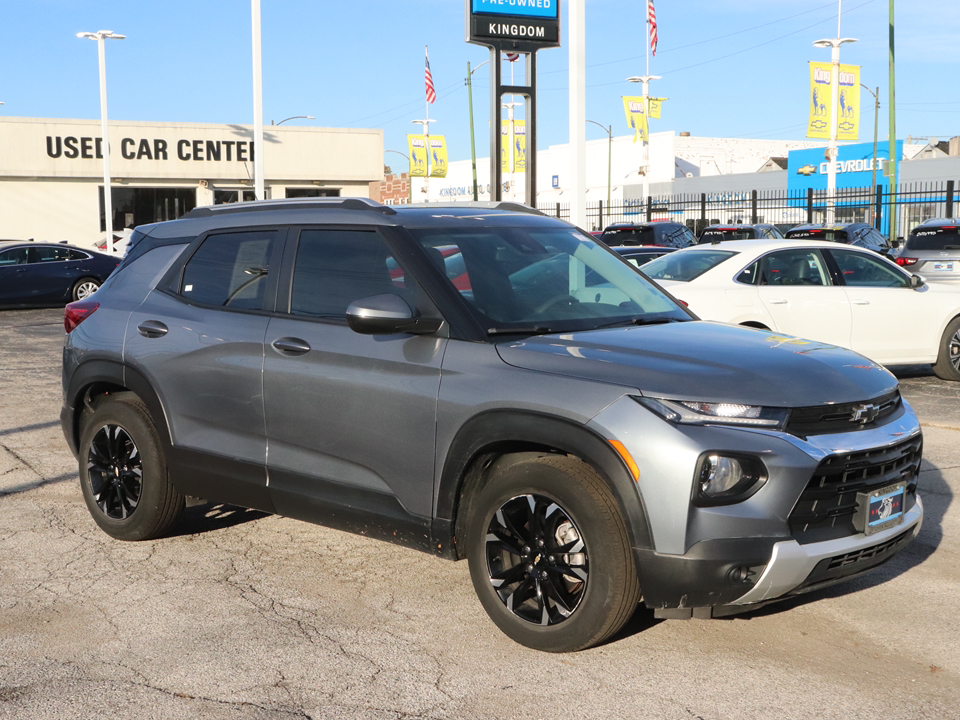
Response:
column 894, row 186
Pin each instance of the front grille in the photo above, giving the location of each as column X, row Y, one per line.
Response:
column 827, row 505
column 825, row 419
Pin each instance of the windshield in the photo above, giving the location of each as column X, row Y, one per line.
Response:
column 733, row 233
column 685, row 265
column 935, row 238
column 544, row 280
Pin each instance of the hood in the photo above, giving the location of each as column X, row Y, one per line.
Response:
column 707, row 361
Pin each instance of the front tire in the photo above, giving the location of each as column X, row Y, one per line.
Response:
column 947, row 366
column 123, row 472
column 550, row 556
column 84, row 288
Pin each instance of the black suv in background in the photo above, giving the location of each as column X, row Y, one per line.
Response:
column 722, row 233
column 486, row 383
column 933, row 250
column 665, row 234
column 858, row 234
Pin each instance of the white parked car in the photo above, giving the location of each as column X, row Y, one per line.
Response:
column 821, row 291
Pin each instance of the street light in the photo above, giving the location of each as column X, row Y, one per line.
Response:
column 100, row 36
column 409, row 176
column 876, row 119
column 609, row 131
column 426, row 140
column 304, row 117
column 473, row 142
column 834, row 45
column 645, row 83
column 513, row 156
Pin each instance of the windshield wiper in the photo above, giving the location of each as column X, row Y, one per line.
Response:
column 640, row 321
column 530, row 330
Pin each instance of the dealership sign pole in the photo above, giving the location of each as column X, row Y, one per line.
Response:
column 514, row 27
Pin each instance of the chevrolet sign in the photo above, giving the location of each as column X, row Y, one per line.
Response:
column 807, row 170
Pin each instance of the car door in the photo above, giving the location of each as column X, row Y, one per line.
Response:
column 14, row 276
column 796, row 290
column 890, row 321
column 198, row 338
column 51, row 273
column 350, row 418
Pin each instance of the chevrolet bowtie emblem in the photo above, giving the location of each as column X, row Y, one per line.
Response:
column 807, row 170
column 865, row 413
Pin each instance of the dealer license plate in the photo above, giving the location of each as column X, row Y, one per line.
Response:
column 884, row 507
column 943, row 266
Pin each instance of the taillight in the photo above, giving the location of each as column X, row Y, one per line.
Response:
column 904, row 261
column 76, row 312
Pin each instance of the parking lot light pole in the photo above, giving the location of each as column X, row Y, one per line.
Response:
column 294, row 117
column 644, row 80
column 100, row 36
column 609, row 131
column 426, row 141
column 876, row 120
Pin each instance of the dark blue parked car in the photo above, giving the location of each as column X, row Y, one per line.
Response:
column 48, row 274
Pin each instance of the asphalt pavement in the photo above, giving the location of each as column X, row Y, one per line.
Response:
column 244, row 615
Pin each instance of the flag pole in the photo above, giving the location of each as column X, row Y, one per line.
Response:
column 426, row 134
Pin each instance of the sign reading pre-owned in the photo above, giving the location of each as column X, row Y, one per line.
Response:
column 528, row 23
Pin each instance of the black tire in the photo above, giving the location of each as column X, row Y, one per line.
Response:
column 123, row 472
column 84, row 288
column 947, row 366
column 579, row 586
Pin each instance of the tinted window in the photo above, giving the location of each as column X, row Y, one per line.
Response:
column 50, row 254
column 685, row 266
column 818, row 234
column 336, row 267
column 629, row 236
column 862, row 270
column 935, row 238
column 13, row 256
column 793, row 267
column 720, row 234
column 230, row 270
column 556, row 278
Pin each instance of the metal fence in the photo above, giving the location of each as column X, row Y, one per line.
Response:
column 913, row 203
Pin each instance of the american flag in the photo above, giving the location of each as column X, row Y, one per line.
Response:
column 652, row 18
column 431, row 90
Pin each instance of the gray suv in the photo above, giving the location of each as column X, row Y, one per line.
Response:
column 488, row 383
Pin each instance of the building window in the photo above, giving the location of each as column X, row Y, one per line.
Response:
column 140, row 206
column 312, row 192
column 222, row 197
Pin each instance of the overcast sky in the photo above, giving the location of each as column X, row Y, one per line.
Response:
column 731, row 68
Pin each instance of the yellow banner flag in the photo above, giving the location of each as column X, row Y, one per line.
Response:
column 821, row 102
column 654, row 107
column 636, row 111
column 517, row 152
column 438, row 156
column 418, row 155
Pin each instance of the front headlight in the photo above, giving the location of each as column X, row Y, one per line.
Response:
column 686, row 412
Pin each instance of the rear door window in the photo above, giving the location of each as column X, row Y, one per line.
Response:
column 791, row 267
column 865, row 270
column 230, row 270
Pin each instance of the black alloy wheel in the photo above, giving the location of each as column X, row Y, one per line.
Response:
column 947, row 366
column 115, row 468
column 537, row 560
column 123, row 471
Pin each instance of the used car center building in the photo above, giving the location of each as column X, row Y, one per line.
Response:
column 51, row 171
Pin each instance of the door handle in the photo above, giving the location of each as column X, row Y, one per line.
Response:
column 777, row 302
column 291, row 346
column 152, row 329
column 860, row 302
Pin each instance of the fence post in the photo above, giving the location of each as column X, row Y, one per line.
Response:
column 600, row 216
column 878, row 207
column 558, row 211
column 950, row 199
column 649, row 208
column 809, row 205
column 703, row 211
column 753, row 207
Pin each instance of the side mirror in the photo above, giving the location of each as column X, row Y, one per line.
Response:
column 388, row 314
column 917, row 282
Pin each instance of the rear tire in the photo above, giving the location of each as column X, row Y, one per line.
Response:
column 123, row 472
column 550, row 556
column 947, row 366
column 84, row 288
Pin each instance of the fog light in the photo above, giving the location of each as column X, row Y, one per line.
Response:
column 723, row 479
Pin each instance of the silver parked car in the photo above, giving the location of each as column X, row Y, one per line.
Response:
column 933, row 250
column 490, row 384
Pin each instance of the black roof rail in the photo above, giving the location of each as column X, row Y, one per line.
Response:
column 485, row 204
column 335, row 203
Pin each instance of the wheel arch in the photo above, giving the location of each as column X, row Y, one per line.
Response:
column 515, row 436
column 95, row 378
